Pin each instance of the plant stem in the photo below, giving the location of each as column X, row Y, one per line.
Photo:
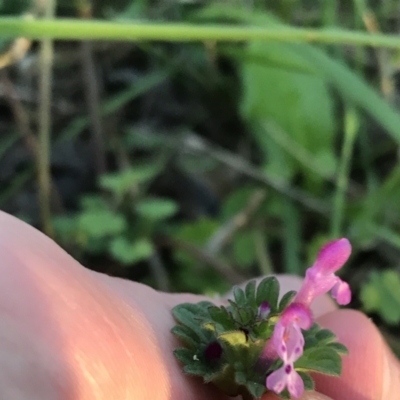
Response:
column 67, row 29
column 350, row 133
column 292, row 236
column 43, row 159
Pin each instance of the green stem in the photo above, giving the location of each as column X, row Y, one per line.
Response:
column 264, row 261
column 67, row 29
column 43, row 155
column 292, row 241
column 350, row 133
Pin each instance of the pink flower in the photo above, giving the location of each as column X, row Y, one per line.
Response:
column 288, row 342
column 320, row 278
column 264, row 310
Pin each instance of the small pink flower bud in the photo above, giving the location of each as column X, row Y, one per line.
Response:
column 264, row 310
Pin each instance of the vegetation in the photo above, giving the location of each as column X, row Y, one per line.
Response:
column 195, row 144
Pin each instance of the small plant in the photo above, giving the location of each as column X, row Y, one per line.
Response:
column 259, row 343
column 122, row 224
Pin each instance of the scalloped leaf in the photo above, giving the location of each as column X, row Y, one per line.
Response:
column 246, row 316
column 240, row 297
column 263, row 330
column 192, row 316
column 339, row 348
column 287, row 298
column 268, row 290
column 324, row 360
column 250, row 291
column 186, row 335
column 184, row 355
column 325, row 336
column 197, row 369
column 220, row 315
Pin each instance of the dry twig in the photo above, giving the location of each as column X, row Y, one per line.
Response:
column 227, row 231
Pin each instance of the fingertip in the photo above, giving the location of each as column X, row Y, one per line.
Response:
column 364, row 370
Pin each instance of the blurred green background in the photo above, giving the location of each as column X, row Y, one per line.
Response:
column 195, row 166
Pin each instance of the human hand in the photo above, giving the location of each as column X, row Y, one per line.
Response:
column 70, row 333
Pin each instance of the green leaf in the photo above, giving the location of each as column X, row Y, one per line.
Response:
column 156, row 209
column 120, row 183
column 240, row 297
column 286, row 300
column 308, row 129
column 98, row 224
column 193, row 316
column 198, row 310
column 324, row 360
column 325, row 336
column 130, row 252
column 184, row 355
column 382, row 295
column 268, row 290
column 309, row 383
column 197, row 369
column 250, row 291
column 94, row 202
column 246, row 316
column 339, row 348
column 263, row 330
column 186, row 335
column 221, row 316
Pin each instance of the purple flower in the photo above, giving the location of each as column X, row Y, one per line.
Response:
column 320, row 278
column 288, row 342
column 264, row 310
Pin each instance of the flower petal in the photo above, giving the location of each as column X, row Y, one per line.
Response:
column 295, row 385
column 277, row 380
column 278, row 340
column 283, row 377
column 298, row 313
column 294, row 343
column 341, row 292
column 332, row 256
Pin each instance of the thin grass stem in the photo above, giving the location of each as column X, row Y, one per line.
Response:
column 350, row 133
column 43, row 155
column 73, row 29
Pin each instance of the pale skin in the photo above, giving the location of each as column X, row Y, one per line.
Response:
column 67, row 333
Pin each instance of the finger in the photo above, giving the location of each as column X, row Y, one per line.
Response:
column 94, row 343
column 370, row 372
